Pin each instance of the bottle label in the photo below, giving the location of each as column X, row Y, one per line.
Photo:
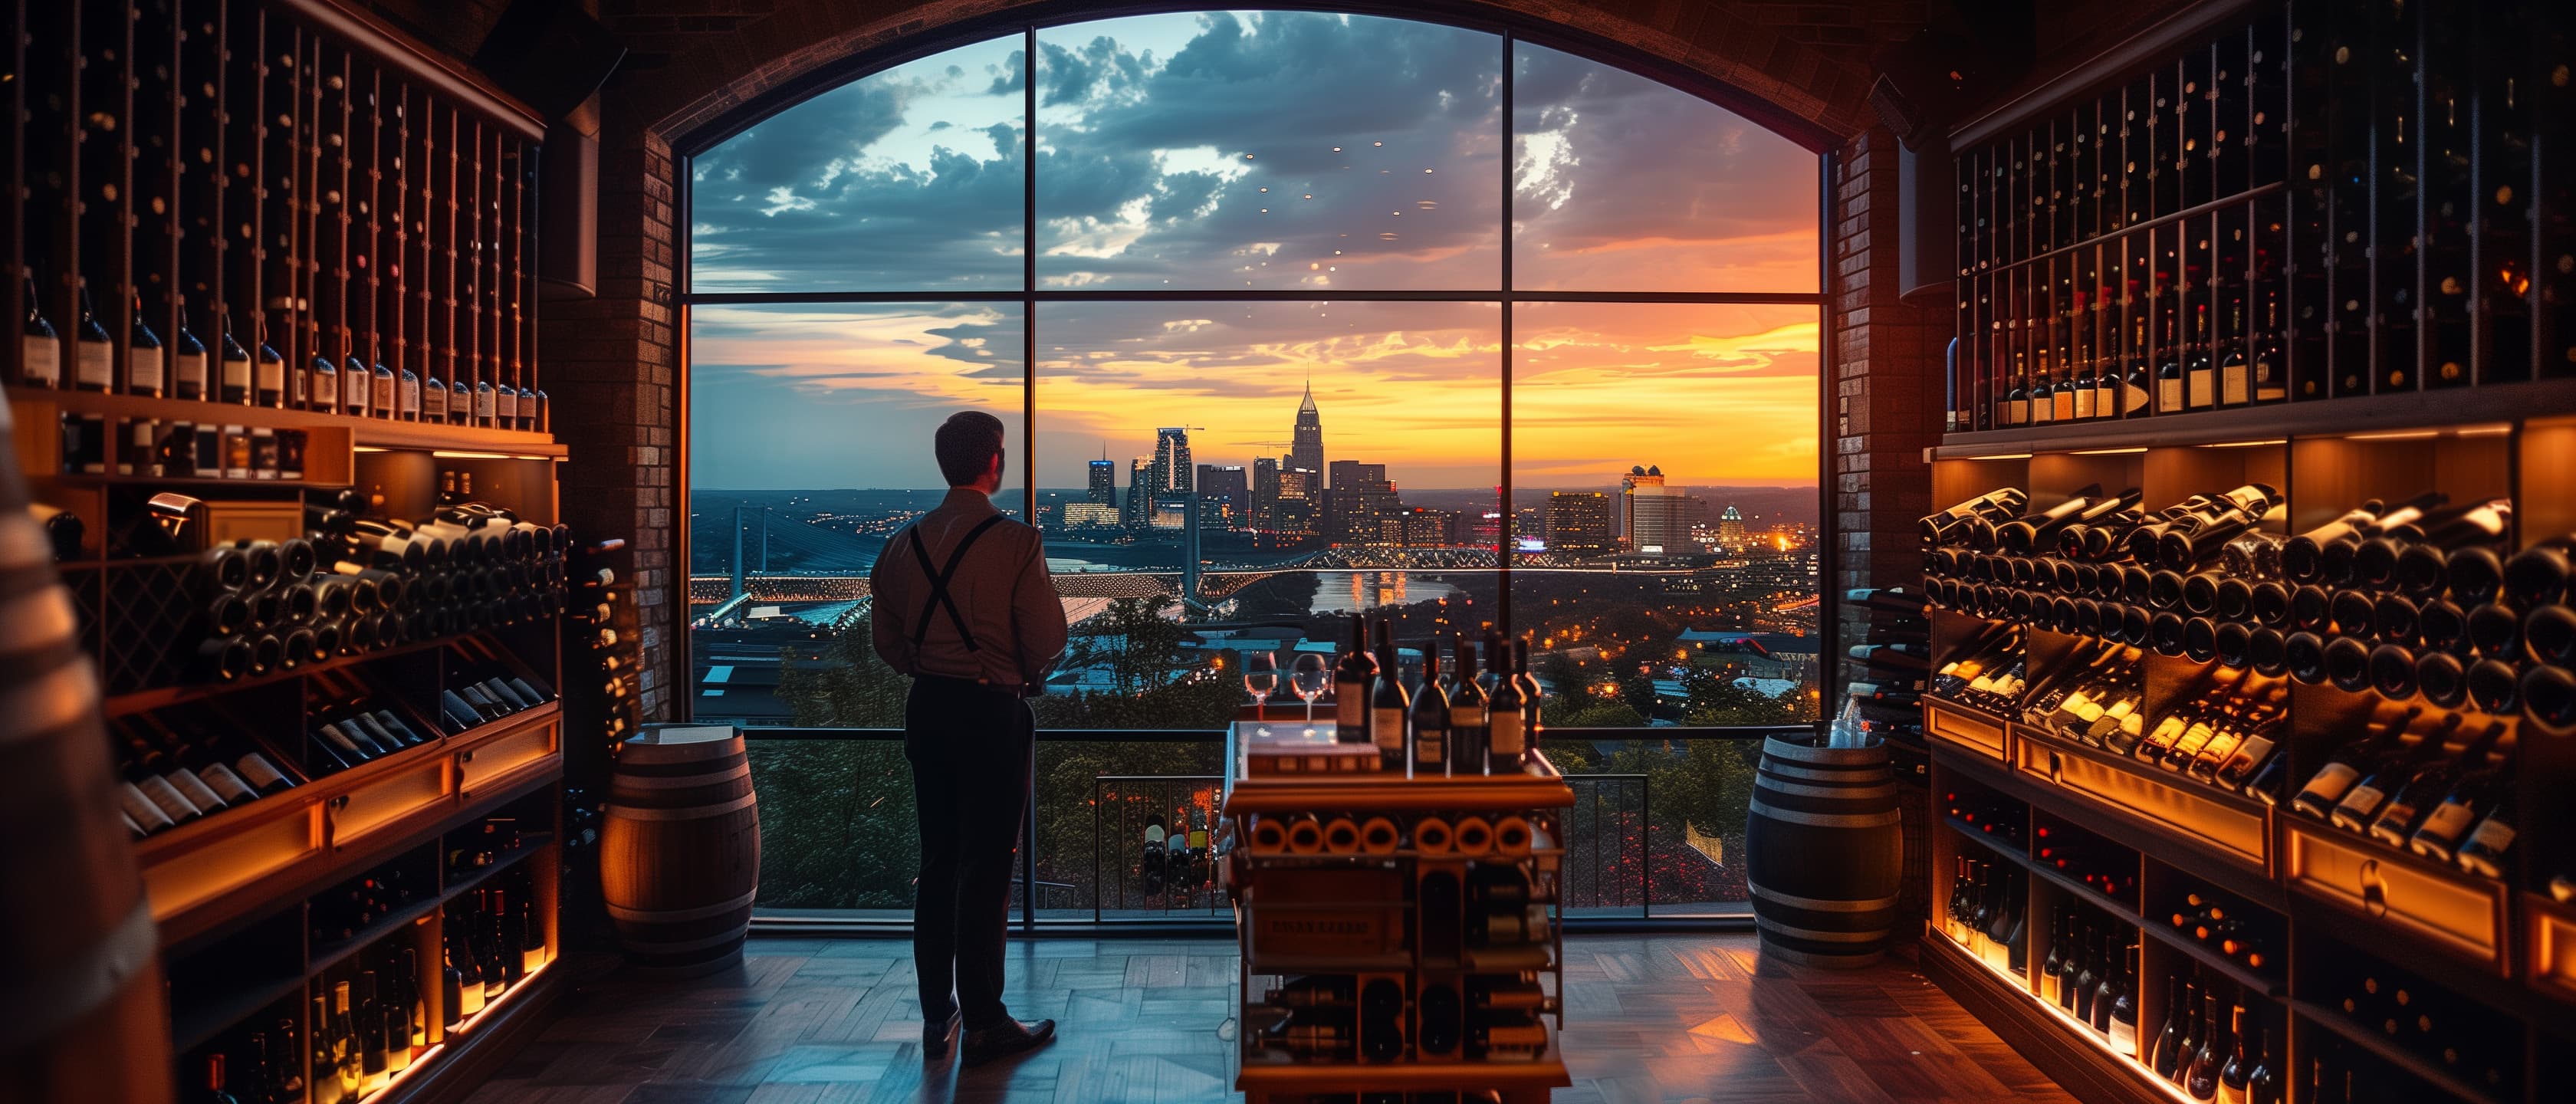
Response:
column 173, row 806
column 2493, row 837
column 326, row 389
column 2330, row 784
column 1466, row 717
column 505, row 403
column 383, row 402
column 1503, row 734
column 2200, row 384
column 2361, row 801
column 357, row 394
column 226, row 785
column 2133, row 398
column 433, row 404
column 483, row 400
column 237, row 376
column 141, row 808
column 2231, row 389
column 272, row 377
column 143, row 369
column 192, row 374
column 2065, row 405
column 261, row 774
column 2124, row 1037
column 2017, row 413
column 411, row 397
column 2168, row 395
column 1350, row 705
column 1387, row 725
column 97, row 364
column 1430, row 743
column 2083, row 403
column 41, row 363
column 2249, row 755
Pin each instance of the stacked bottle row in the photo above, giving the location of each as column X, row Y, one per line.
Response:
column 258, row 1064
column 1473, row 720
column 2423, row 597
column 346, row 242
column 178, row 767
column 1395, row 1017
column 2227, row 1048
column 355, row 584
column 493, row 937
column 94, row 444
column 2224, row 925
column 370, row 1020
column 1897, row 657
column 1424, row 836
column 2440, row 785
column 2463, row 1038
column 2091, row 973
column 2334, row 198
column 1988, row 911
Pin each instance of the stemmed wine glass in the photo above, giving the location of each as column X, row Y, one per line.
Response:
column 1309, row 678
column 1260, row 678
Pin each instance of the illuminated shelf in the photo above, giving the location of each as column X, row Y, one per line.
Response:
column 377, row 432
column 2359, row 1036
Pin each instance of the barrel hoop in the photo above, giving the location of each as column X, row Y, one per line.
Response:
column 675, row 916
column 686, row 812
column 651, row 757
column 676, row 781
column 23, row 546
column 1805, row 753
column 62, row 992
column 46, row 703
column 42, row 615
column 1794, row 932
column 1826, row 820
column 656, row 947
column 1885, row 789
column 702, row 764
column 1792, row 770
column 1814, row 905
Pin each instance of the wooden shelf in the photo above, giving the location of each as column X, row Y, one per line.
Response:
column 161, row 697
column 368, row 432
column 2495, row 403
column 1286, row 1076
column 326, row 955
column 2430, row 1074
column 194, row 1025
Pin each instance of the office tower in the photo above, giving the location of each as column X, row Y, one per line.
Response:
column 1650, row 513
column 1138, row 510
column 1265, row 491
column 1225, row 498
column 1730, row 530
column 1104, row 483
column 1578, row 523
column 1307, row 449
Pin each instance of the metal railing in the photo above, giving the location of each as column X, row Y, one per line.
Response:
column 1613, row 847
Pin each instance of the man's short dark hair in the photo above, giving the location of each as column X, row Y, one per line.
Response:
column 966, row 445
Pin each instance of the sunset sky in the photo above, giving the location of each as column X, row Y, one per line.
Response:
column 1279, row 151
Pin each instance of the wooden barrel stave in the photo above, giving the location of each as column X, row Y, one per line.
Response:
column 680, row 853
column 1824, row 848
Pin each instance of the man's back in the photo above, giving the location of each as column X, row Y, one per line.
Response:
column 963, row 592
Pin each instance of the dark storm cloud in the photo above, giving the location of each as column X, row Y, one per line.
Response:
column 1272, row 98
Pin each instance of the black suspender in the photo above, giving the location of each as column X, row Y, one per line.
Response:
column 939, row 583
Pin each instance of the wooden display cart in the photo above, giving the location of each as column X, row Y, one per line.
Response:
column 1343, row 896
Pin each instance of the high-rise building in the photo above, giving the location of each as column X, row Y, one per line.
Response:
column 1306, row 448
column 1138, row 510
column 1225, row 498
column 1730, row 530
column 1360, row 505
column 1265, row 490
column 1090, row 515
column 1578, row 523
column 1425, row 527
column 1104, row 483
column 1293, row 509
column 1170, row 478
column 1650, row 513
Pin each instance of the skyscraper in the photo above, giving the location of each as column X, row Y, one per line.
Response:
column 1225, row 500
column 1306, row 449
column 1358, row 502
column 1578, row 522
column 1730, row 530
column 1172, row 472
column 1138, row 510
column 1265, row 490
column 1650, row 513
column 1104, row 483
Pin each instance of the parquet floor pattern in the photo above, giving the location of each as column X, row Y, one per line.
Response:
column 1658, row 1019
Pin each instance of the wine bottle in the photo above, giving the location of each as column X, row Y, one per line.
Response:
column 1390, row 707
column 1508, row 749
column 385, row 396
column 187, row 360
column 1353, row 678
column 2200, row 1081
column 94, row 352
column 2332, row 782
column 2107, row 991
column 2262, row 1083
column 2484, row 852
column 268, row 377
column 368, row 1018
column 2362, row 803
column 2165, row 1057
column 2195, row 1030
column 2429, row 785
column 2124, row 1009
column 40, row 350
column 2235, row 1077
column 1998, row 505
column 144, row 366
column 2088, row 976
column 345, row 1044
column 1467, row 738
column 1430, row 716
column 2051, row 969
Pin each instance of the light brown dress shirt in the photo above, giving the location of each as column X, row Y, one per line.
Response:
column 1001, row 589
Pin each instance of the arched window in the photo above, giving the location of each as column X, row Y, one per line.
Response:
column 1306, row 313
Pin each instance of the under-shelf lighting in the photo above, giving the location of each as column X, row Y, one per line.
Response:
column 2247, row 444
column 2136, row 1068
column 2408, row 435
column 466, row 1025
column 2109, row 452
column 445, row 454
column 369, row 448
column 2484, row 430
column 2003, row 456
column 418, row 1062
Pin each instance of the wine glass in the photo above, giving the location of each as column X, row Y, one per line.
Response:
column 1309, row 678
column 1260, row 678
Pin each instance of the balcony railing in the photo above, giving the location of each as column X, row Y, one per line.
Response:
column 1656, row 832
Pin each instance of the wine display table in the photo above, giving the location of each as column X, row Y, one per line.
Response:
column 1399, row 935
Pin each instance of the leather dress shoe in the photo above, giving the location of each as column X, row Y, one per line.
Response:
column 1007, row 1038
column 939, row 1040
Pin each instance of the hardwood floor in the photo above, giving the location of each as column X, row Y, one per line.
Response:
column 1650, row 1019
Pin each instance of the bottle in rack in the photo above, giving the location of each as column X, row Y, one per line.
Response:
column 268, row 377
column 1354, row 679
column 1430, row 716
column 145, row 366
column 189, row 370
column 322, row 385
column 2235, row 1078
column 40, row 350
column 1506, row 726
column 2200, row 1075
column 232, row 369
column 2165, row 1055
column 1468, row 746
column 94, row 361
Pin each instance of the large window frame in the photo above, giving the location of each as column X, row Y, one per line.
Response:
column 1509, row 35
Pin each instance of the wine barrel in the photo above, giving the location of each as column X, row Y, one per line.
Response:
column 80, row 972
column 679, row 848
column 1825, row 852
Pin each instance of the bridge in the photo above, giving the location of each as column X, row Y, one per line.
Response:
column 1215, row 583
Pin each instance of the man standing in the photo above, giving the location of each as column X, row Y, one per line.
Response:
column 963, row 604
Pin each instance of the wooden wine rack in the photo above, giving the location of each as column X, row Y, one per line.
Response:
column 316, row 183
column 2422, row 317
column 1367, row 902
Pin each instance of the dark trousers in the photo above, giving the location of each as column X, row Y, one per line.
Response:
column 969, row 749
